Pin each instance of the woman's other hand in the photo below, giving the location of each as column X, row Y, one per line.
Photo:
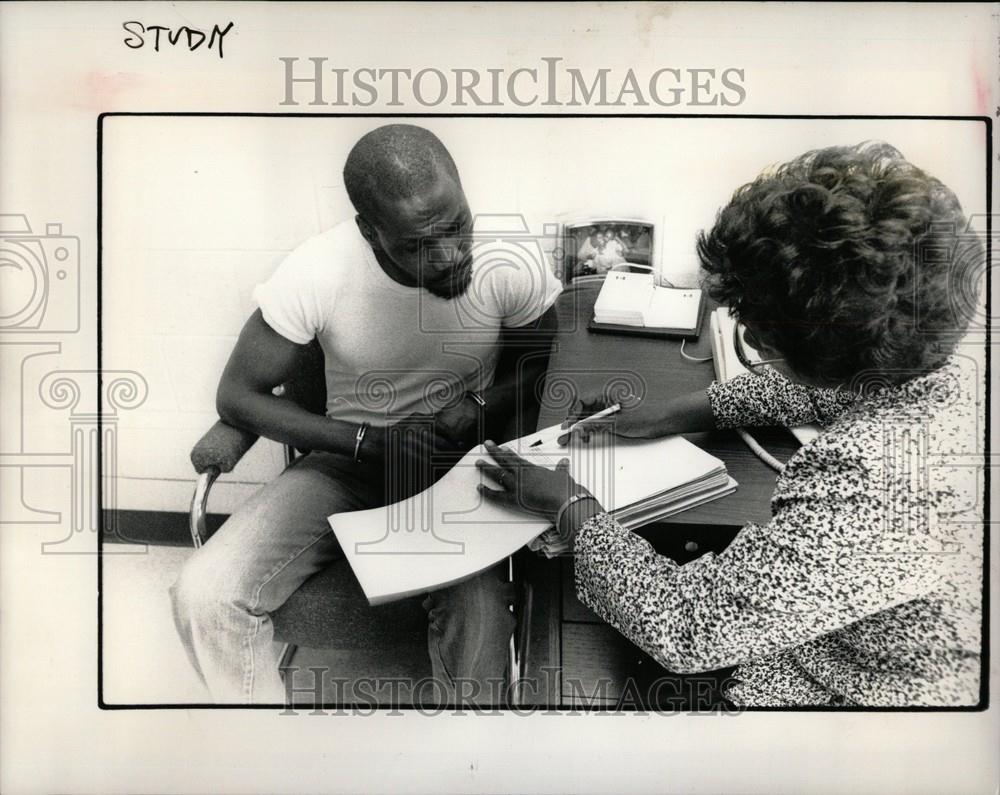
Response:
column 636, row 419
column 640, row 416
column 526, row 486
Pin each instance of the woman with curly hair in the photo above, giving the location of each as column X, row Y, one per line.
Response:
column 864, row 588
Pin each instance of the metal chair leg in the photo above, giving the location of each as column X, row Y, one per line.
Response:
column 287, row 654
column 524, row 630
column 519, row 638
column 199, row 506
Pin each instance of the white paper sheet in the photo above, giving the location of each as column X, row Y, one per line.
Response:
column 450, row 532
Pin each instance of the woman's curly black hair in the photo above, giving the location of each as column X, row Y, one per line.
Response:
column 844, row 260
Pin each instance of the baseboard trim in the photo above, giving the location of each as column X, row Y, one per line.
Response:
column 163, row 528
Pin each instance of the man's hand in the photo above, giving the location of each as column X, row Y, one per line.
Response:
column 415, row 453
column 454, row 429
column 462, row 424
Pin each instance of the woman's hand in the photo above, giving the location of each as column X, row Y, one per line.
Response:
column 526, row 486
column 642, row 418
column 637, row 419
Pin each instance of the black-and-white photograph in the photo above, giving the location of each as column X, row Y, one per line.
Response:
column 594, row 247
column 406, row 456
column 498, row 397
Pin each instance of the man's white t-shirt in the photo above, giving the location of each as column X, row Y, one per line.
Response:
column 392, row 350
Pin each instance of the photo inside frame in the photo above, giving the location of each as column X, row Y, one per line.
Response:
column 595, row 246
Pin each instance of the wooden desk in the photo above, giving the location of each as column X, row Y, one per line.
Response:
column 564, row 635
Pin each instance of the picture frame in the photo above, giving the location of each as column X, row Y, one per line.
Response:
column 594, row 244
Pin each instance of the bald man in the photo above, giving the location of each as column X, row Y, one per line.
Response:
column 427, row 351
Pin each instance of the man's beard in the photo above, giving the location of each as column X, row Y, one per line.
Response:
column 454, row 286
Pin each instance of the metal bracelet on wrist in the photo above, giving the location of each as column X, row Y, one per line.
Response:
column 566, row 535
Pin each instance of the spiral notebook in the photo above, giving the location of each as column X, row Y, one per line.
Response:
column 448, row 532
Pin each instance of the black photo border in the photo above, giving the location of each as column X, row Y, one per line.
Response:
column 366, row 708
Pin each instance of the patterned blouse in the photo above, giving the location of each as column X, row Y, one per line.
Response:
column 864, row 588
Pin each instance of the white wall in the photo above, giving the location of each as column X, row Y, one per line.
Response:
column 199, row 210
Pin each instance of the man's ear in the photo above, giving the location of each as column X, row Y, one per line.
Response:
column 367, row 231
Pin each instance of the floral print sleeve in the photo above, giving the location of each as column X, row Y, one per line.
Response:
column 771, row 399
column 775, row 587
column 863, row 588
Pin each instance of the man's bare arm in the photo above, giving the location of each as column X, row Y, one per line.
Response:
column 523, row 361
column 262, row 360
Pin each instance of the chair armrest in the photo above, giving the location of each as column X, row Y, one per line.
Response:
column 198, row 514
column 222, row 447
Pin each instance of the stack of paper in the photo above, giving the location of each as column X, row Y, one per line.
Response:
column 634, row 481
column 449, row 532
column 633, row 299
column 673, row 308
column 624, row 298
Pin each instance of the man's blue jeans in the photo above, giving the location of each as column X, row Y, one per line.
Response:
column 271, row 545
